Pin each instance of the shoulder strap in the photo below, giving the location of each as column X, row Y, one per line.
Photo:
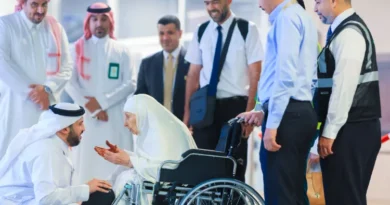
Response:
column 201, row 30
column 243, row 26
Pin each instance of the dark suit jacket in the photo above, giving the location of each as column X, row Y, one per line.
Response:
column 151, row 82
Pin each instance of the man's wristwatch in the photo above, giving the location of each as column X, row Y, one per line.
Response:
column 47, row 90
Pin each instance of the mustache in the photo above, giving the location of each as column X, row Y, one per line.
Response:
column 214, row 11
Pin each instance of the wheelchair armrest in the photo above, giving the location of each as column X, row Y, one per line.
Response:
column 203, row 152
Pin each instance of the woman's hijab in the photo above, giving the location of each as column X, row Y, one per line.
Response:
column 161, row 135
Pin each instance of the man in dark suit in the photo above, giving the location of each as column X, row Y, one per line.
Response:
column 163, row 74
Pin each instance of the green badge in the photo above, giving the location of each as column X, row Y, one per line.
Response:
column 113, row 71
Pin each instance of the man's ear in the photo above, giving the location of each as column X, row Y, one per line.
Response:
column 65, row 131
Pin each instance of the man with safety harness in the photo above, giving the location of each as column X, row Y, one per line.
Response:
column 348, row 104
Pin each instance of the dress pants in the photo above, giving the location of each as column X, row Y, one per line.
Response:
column 284, row 171
column 347, row 173
column 207, row 138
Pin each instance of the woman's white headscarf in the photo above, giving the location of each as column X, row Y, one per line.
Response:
column 161, row 136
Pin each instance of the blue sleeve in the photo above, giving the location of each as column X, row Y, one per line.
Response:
column 288, row 39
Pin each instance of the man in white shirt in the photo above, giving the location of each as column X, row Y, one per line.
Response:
column 236, row 86
column 102, row 80
column 34, row 65
column 348, row 104
column 36, row 168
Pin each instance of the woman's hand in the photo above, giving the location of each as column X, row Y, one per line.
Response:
column 119, row 158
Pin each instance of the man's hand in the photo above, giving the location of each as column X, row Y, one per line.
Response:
column 325, row 147
column 120, row 158
column 252, row 118
column 270, row 140
column 39, row 96
column 99, row 185
column 102, row 115
column 246, row 130
column 92, row 105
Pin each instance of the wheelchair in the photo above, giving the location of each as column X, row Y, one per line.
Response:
column 201, row 177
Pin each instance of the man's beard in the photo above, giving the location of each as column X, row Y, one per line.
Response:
column 73, row 139
column 222, row 16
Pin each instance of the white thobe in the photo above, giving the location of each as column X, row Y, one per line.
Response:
column 24, row 49
column 42, row 174
column 111, row 93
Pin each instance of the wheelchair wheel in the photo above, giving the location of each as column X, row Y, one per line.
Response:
column 222, row 192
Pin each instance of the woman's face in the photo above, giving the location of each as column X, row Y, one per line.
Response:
column 131, row 123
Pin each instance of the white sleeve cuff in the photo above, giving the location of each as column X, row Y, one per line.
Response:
column 331, row 131
column 82, row 192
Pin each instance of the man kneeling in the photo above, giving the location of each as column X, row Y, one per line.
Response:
column 36, row 168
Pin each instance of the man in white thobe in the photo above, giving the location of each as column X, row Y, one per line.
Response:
column 36, row 168
column 102, row 80
column 34, row 66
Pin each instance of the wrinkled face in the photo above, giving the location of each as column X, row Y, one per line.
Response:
column 218, row 9
column 35, row 10
column 99, row 25
column 74, row 136
column 169, row 36
column 325, row 10
column 131, row 123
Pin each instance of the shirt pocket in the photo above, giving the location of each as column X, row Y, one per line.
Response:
column 237, row 56
column 207, row 54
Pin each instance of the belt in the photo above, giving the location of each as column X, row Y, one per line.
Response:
column 245, row 98
column 265, row 104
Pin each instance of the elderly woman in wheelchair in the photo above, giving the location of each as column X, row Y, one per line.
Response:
column 167, row 168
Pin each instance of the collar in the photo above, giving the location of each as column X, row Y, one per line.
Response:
column 61, row 144
column 225, row 25
column 275, row 13
column 29, row 23
column 97, row 40
column 341, row 17
column 175, row 53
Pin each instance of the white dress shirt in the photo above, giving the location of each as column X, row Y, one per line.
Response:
column 234, row 79
column 42, row 175
column 348, row 49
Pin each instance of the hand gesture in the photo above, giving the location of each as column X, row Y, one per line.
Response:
column 102, row 115
column 119, row 158
column 99, row 185
column 325, row 147
column 112, row 148
column 39, row 96
column 92, row 105
column 253, row 118
column 269, row 140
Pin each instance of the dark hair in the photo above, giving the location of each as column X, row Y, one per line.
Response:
column 302, row 3
column 167, row 19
